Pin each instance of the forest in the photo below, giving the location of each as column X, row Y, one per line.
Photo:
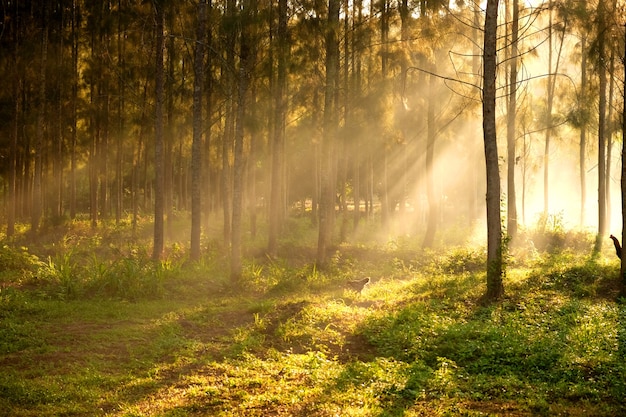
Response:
column 312, row 208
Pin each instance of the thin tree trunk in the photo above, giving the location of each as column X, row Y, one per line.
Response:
column 384, row 58
column 356, row 71
column 622, row 273
column 119, row 160
column 15, row 131
column 239, row 162
column 317, row 161
column 196, row 146
column 229, row 128
column 511, row 128
column 550, row 102
column 208, row 187
column 583, row 133
column 433, row 206
column 159, row 140
column 327, row 200
column 343, row 167
column 37, row 198
column 609, row 137
column 57, row 159
column 601, row 130
column 74, row 138
column 278, row 141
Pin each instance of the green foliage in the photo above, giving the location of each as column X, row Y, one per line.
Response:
column 550, row 235
column 17, row 264
column 109, row 329
column 462, row 260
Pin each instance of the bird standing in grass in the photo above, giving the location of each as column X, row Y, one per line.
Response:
column 358, row 285
column 618, row 247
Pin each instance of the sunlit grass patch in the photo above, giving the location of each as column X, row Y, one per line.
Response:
column 292, row 339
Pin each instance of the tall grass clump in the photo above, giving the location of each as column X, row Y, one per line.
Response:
column 68, row 276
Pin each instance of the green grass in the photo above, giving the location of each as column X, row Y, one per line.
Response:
column 97, row 329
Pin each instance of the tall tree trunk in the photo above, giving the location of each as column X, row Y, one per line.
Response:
column 433, row 203
column 15, row 130
column 169, row 167
column 158, row 133
column 343, row 167
column 229, row 128
column 208, row 187
column 12, row 186
column 196, row 146
column 74, row 138
column 583, row 133
column 251, row 166
column 57, row 158
column 104, row 97
column 317, row 161
column 511, row 130
column 384, row 58
column 552, row 77
column 327, row 198
column 622, row 273
column 495, row 267
column 609, row 137
column 245, row 68
column 356, row 90
column 278, row 141
column 37, row 198
column 601, row 128
column 119, row 160
column 548, row 131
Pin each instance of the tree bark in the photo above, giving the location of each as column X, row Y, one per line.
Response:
column 495, row 270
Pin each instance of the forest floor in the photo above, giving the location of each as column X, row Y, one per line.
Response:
column 96, row 329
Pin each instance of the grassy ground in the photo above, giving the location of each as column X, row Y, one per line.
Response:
column 90, row 326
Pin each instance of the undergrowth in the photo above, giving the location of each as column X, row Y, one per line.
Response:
column 98, row 328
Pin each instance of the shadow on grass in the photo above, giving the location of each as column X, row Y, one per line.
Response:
column 305, row 347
